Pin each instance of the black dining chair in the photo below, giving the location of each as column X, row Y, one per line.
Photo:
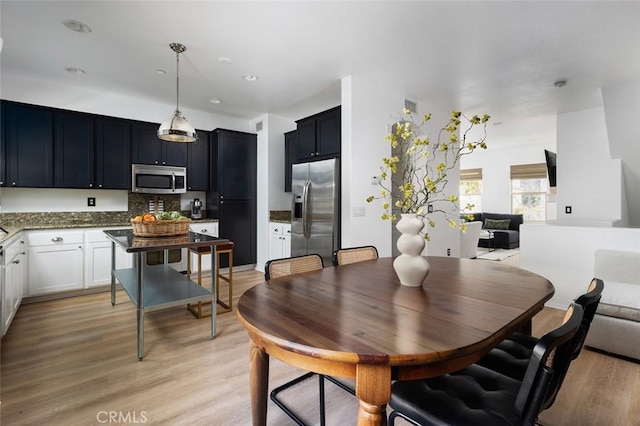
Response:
column 477, row 395
column 288, row 266
column 347, row 255
column 512, row 355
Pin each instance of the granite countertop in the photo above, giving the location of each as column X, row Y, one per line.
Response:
column 13, row 230
column 280, row 216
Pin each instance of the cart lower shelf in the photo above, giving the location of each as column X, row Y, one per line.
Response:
column 163, row 287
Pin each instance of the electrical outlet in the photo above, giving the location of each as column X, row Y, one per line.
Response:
column 358, row 212
column 91, row 201
column 430, row 208
column 567, row 209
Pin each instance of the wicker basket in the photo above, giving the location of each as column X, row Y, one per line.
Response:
column 161, row 228
column 155, row 241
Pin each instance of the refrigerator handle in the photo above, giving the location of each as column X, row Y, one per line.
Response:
column 306, row 225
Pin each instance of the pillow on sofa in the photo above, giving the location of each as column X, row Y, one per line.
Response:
column 496, row 224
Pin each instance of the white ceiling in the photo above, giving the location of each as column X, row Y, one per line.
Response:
column 498, row 57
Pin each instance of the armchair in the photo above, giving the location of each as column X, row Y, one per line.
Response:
column 469, row 240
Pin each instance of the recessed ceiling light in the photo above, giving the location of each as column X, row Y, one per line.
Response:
column 77, row 26
column 250, row 77
column 73, row 70
column 161, row 72
column 225, row 60
column 215, row 101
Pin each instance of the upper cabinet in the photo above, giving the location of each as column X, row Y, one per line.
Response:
column 149, row 149
column 319, row 136
column 198, row 163
column 43, row 147
column 28, row 149
column 234, row 159
column 113, row 153
column 74, row 150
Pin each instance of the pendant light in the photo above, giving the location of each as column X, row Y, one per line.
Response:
column 177, row 128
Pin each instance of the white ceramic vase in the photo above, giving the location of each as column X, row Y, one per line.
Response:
column 410, row 266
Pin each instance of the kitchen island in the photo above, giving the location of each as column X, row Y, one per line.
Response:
column 159, row 286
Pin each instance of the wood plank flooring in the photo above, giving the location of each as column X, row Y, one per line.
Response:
column 73, row 362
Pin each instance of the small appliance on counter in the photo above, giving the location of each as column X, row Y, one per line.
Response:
column 196, row 209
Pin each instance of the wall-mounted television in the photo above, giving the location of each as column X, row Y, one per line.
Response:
column 550, row 158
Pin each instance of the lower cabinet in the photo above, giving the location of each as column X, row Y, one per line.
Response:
column 55, row 261
column 208, row 228
column 14, row 279
column 97, row 258
column 279, row 240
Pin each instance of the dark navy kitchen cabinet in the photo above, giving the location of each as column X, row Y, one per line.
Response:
column 232, row 191
column 28, row 149
column 74, row 150
column 319, row 136
column 112, row 153
column 198, row 163
column 174, row 153
column 290, row 146
column 147, row 148
column 3, row 155
column 237, row 222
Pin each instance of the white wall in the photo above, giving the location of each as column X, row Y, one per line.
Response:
column 588, row 179
column 495, row 162
column 622, row 109
column 277, row 127
column 369, row 106
column 270, row 174
column 565, row 254
column 75, row 97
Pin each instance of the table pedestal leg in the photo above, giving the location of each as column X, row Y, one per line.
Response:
column 373, row 389
column 259, row 384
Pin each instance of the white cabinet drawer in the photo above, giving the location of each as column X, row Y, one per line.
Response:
column 57, row 237
column 209, row 228
column 276, row 228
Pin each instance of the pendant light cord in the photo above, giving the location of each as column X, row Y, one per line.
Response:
column 177, row 81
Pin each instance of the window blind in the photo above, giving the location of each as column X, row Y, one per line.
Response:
column 528, row 171
column 470, row 174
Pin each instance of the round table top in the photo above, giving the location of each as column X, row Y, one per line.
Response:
column 359, row 313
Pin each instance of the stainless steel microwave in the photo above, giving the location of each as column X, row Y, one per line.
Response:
column 149, row 179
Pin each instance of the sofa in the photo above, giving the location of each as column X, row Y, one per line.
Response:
column 616, row 325
column 508, row 238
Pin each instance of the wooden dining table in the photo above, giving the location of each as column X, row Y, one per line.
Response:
column 358, row 321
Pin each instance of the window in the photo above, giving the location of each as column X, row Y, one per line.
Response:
column 529, row 188
column 471, row 190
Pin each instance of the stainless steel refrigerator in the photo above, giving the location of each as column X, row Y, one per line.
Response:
column 315, row 214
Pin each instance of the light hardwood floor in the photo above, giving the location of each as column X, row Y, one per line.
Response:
column 73, row 362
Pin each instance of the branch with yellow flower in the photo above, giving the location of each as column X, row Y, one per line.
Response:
column 421, row 165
